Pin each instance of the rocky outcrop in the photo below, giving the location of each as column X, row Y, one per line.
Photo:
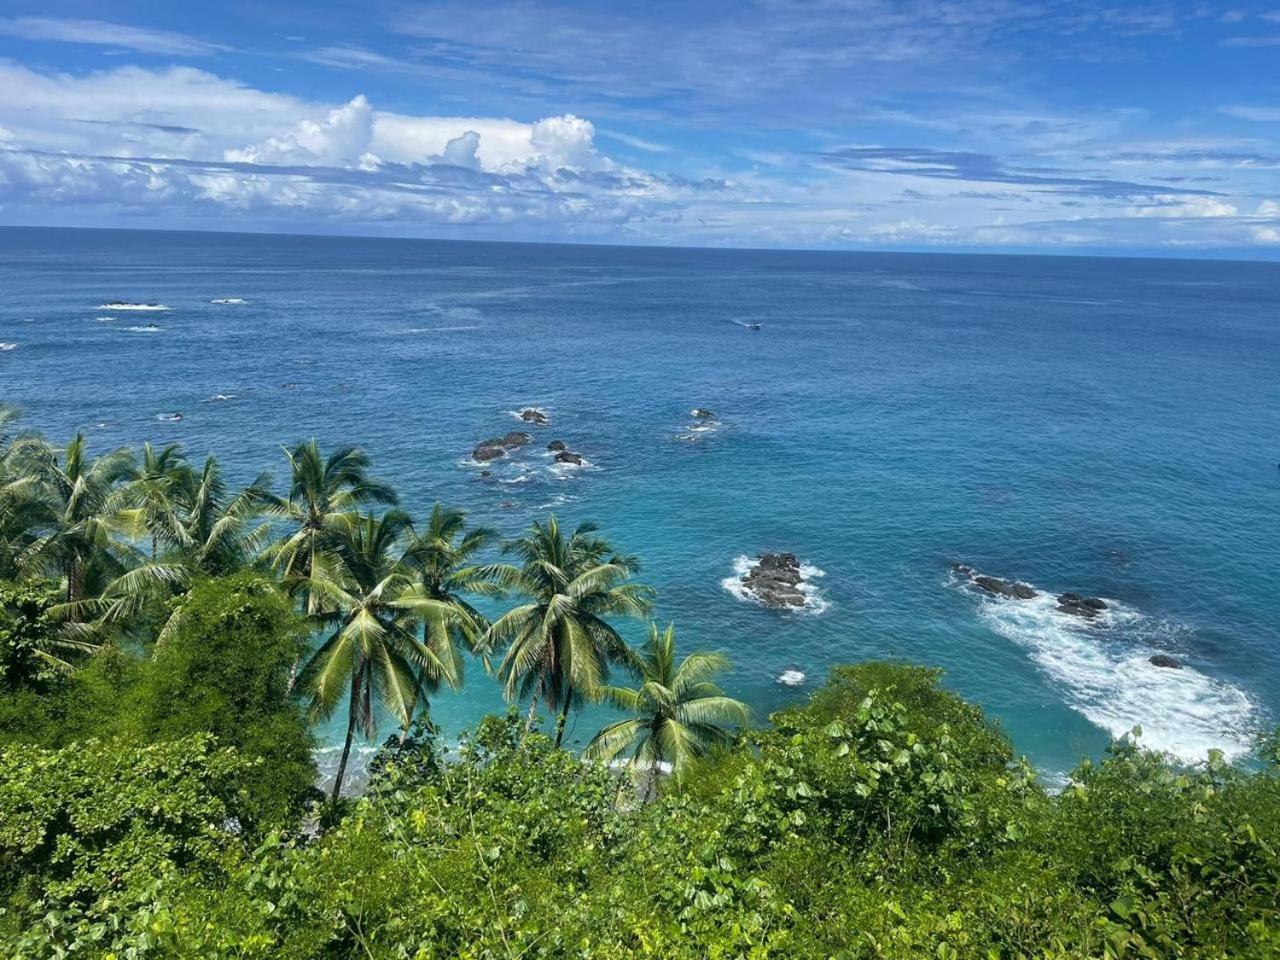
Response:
column 555, row 446
column 1166, row 661
column 497, row 447
column 775, row 581
column 535, row 416
column 489, row 450
column 568, row 456
column 1074, row 603
column 702, row 413
column 1014, row 589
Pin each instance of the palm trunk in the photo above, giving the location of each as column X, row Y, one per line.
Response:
column 75, row 583
column 533, row 712
column 564, row 716
column 346, row 747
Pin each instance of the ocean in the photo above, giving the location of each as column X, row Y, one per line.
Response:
column 1102, row 426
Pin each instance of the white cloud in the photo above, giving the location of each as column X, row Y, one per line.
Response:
column 342, row 138
column 102, row 33
column 1168, row 205
column 1254, row 114
column 1268, row 208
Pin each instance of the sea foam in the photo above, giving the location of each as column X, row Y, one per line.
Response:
column 814, row 601
column 1102, row 666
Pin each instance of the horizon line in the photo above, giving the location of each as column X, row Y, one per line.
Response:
column 1229, row 254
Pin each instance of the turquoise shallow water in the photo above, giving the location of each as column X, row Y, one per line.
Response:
column 1104, row 426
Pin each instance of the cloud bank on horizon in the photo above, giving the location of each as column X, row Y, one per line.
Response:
column 1058, row 125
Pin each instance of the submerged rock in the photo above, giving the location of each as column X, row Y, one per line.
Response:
column 515, row 439
column 497, row 447
column 535, row 416
column 1080, row 606
column 489, row 450
column 775, row 581
column 1014, row 589
column 1166, row 661
column 701, row 413
column 555, row 446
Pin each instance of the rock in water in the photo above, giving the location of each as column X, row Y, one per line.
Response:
column 1004, row 588
column 1164, row 660
column 535, row 416
column 515, row 439
column 701, row 413
column 775, row 581
column 1087, row 607
column 555, row 446
column 568, row 456
column 489, row 450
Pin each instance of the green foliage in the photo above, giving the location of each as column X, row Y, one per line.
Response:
column 886, row 819
column 91, row 833
column 28, row 631
column 225, row 669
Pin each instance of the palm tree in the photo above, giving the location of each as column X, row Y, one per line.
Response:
column 324, row 495
column 441, row 561
column 560, row 641
column 24, row 508
column 365, row 598
column 679, row 713
column 196, row 529
column 84, row 508
column 154, row 492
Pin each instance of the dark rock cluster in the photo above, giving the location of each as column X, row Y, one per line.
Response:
column 775, row 581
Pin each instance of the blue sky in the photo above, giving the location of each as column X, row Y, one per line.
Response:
column 1001, row 125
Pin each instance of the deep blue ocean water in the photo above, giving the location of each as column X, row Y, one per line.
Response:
column 1102, row 426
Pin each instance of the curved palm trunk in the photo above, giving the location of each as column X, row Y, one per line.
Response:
column 346, row 746
column 564, row 716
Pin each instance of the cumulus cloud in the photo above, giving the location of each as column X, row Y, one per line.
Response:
column 341, row 138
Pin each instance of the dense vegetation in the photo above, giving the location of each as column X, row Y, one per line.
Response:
column 166, row 645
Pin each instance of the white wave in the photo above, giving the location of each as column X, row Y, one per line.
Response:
column 28, row 319
column 1102, row 665
column 229, row 300
column 458, row 329
column 149, row 328
column 791, row 678
column 122, row 305
column 8, row 346
column 559, row 500
column 705, row 426
column 104, row 319
column 567, row 471
column 219, row 398
column 814, row 602
column 516, row 413
column 169, row 417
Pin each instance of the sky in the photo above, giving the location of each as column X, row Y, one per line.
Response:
column 1052, row 126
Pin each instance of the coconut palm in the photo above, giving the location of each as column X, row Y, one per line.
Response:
column 679, row 714
column 83, row 506
column 197, row 528
column 560, row 641
column 24, row 508
column 155, row 491
column 441, row 560
column 366, row 601
column 324, row 496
